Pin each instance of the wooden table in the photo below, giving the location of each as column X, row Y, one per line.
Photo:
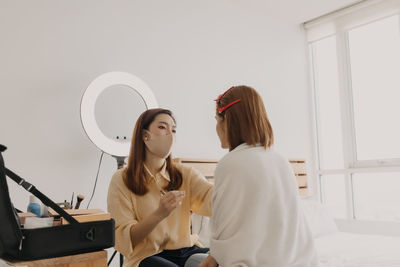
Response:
column 93, row 259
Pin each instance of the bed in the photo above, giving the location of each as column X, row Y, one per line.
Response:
column 342, row 249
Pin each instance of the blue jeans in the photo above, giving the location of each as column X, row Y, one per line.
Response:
column 172, row 258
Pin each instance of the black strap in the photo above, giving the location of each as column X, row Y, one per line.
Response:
column 46, row 201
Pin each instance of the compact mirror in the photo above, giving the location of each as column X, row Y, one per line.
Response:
column 110, row 107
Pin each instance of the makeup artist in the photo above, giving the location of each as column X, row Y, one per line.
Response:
column 152, row 198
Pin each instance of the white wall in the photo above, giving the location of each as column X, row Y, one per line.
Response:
column 187, row 51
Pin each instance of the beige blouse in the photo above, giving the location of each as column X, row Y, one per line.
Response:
column 173, row 232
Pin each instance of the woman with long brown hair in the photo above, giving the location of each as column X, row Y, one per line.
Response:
column 257, row 220
column 152, row 198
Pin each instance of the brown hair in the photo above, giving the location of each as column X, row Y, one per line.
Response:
column 134, row 173
column 246, row 120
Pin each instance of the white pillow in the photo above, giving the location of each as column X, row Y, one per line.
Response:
column 318, row 218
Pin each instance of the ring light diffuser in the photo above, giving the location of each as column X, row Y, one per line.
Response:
column 88, row 103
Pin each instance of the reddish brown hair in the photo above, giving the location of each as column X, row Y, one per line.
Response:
column 246, row 120
column 134, row 173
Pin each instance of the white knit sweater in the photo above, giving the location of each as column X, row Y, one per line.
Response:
column 257, row 220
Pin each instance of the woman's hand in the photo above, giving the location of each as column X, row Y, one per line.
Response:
column 209, row 262
column 168, row 202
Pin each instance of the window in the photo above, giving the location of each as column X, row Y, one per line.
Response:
column 327, row 94
column 376, row 196
column 375, row 77
column 355, row 64
column 334, row 194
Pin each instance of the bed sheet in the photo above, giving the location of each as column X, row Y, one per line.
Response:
column 354, row 250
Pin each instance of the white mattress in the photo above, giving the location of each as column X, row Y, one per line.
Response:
column 353, row 250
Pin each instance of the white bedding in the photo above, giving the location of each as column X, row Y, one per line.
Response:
column 354, row 250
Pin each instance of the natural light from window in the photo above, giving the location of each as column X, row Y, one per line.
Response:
column 375, row 75
column 327, row 94
column 334, row 195
column 376, row 196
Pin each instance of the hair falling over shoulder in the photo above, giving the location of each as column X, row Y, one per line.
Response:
column 134, row 174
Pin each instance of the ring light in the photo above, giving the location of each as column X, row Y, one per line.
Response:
column 88, row 103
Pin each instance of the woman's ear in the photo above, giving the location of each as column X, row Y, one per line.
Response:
column 145, row 135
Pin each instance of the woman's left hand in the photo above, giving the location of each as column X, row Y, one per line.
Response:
column 209, row 262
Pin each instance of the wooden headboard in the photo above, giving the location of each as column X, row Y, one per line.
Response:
column 207, row 168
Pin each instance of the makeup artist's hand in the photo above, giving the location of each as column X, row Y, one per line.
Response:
column 209, row 262
column 169, row 201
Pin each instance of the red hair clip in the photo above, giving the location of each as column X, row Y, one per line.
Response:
column 227, row 106
column 220, row 110
column 221, row 96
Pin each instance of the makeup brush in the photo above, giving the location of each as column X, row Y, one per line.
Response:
column 72, row 200
column 79, row 199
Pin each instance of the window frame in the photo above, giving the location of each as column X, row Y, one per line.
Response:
column 339, row 23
